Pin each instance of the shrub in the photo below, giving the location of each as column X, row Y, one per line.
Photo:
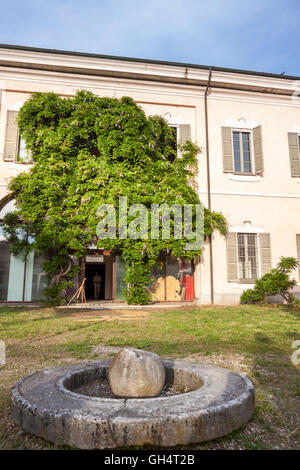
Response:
column 251, row 296
column 275, row 282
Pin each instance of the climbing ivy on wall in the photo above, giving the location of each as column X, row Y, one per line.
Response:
column 89, row 150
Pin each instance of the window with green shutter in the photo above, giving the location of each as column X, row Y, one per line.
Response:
column 232, row 259
column 242, row 151
column 265, row 252
column 184, row 133
column 11, row 137
column 14, row 146
column 248, row 256
column 294, row 150
column 181, row 133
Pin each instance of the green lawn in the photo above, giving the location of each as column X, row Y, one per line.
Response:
column 254, row 340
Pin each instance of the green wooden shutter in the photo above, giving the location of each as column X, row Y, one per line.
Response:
column 293, row 140
column 184, row 133
column 232, row 257
column 11, row 137
column 298, row 251
column 227, row 150
column 265, row 252
column 258, row 150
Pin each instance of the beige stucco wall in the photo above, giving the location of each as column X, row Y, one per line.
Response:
column 271, row 202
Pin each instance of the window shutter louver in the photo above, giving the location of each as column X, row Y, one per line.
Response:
column 298, row 251
column 227, row 150
column 232, row 257
column 11, row 137
column 294, row 153
column 184, row 133
column 258, row 150
column 265, row 252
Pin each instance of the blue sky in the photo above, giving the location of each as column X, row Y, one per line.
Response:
column 262, row 35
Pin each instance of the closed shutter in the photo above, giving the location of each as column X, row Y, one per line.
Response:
column 293, row 139
column 227, row 149
column 258, row 150
column 11, row 137
column 265, row 252
column 298, row 251
column 184, row 133
column 232, row 257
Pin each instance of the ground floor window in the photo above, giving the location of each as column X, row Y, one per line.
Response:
column 247, row 256
column 21, row 280
column 120, row 283
column 174, row 280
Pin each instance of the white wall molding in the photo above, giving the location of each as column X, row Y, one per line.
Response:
column 239, row 193
column 246, row 228
column 252, row 97
column 243, row 178
column 76, row 82
column 237, row 285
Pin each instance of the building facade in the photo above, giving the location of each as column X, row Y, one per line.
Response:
column 247, row 126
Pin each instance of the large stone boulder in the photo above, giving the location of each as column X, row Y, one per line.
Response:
column 136, row 373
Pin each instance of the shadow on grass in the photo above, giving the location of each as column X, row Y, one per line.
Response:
column 277, row 400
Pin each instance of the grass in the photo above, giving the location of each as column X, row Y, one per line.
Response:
column 250, row 339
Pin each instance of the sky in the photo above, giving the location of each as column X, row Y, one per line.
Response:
column 260, row 35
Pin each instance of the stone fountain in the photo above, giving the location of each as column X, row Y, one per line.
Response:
column 135, row 399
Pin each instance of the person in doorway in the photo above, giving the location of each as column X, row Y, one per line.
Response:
column 97, row 281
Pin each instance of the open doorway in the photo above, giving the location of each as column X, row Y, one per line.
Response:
column 92, row 270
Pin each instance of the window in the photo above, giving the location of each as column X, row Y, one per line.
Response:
column 242, row 152
column 180, row 133
column 23, row 155
column 173, row 280
column 20, row 279
column 247, row 256
column 173, row 144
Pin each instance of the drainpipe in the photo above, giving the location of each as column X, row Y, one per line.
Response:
column 208, row 185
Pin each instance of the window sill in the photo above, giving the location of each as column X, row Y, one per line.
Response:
column 18, row 164
column 236, row 177
column 242, row 285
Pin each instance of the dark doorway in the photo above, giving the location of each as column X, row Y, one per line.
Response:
column 90, row 271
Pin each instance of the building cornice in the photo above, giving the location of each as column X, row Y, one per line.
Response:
column 93, row 65
column 145, row 61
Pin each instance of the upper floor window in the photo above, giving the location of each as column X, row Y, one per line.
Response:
column 242, row 152
column 180, row 133
column 174, row 142
column 294, row 148
column 22, row 154
column 14, row 144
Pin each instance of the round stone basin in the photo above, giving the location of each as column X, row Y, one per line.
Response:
column 207, row 402
column 93, row 382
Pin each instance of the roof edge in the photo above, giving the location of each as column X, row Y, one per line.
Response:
column 148, row 61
